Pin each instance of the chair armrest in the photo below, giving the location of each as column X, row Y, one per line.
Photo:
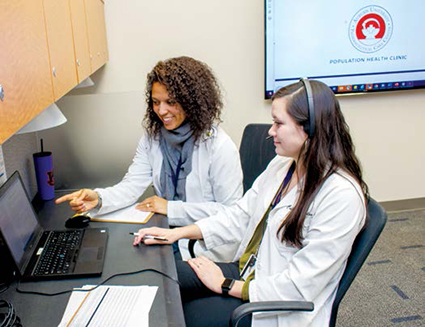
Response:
column 191, row 248
column 267, row 306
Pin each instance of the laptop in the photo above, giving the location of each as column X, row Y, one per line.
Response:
column 44, row 255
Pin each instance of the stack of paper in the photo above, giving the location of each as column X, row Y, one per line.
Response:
column 110, row 306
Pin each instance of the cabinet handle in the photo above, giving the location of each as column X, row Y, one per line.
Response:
column 54, row 71
column 1, row 93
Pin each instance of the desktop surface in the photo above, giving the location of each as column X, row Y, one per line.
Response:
column 121, row 257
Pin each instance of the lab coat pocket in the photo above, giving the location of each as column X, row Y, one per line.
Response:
column 286, row 251
column 306, row 225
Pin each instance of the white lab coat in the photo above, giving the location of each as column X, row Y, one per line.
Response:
column 214, row 182
column 284, row 272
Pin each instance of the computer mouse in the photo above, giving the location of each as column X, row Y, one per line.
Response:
column 78, row 221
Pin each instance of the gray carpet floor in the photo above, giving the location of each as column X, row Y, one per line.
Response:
column 390, row 288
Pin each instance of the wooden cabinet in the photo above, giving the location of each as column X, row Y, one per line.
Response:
column 24, row 64
column 45, row 49
column 81, row 42
column 97, row 33
column 61, row 46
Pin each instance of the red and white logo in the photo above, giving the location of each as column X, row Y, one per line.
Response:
column 370, row 29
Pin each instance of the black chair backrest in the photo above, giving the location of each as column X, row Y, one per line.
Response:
column 256, row 152
column 361, row 248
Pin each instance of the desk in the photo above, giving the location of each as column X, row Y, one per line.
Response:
column 121, row 256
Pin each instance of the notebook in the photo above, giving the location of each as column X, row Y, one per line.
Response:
column 40, row 254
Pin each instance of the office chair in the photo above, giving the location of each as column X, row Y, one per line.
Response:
column 362, row 246
column 255, row 152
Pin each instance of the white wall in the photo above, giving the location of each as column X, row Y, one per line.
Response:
column 95, row 147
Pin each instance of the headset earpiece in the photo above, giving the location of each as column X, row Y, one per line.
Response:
column 311, row 125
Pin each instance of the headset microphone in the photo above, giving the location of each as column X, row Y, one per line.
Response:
column 309, row 129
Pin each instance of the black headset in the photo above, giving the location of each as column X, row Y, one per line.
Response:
column 311, row 125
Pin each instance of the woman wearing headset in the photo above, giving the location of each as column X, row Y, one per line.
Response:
column 193, row 164
column 295, row 226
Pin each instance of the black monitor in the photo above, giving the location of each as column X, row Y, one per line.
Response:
column 352, row 46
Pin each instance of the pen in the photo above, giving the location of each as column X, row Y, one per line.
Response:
column 158, row 238
column 269, row 137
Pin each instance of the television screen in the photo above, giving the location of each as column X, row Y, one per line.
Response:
column 352, row 46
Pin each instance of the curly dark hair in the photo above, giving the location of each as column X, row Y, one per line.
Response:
column 193, row 85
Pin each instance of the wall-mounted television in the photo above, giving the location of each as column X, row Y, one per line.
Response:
column 352, row 46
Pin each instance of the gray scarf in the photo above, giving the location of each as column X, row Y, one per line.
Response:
column 177, row 150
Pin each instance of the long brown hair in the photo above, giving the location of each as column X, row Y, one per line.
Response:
column 193, row 85
column 329, row 149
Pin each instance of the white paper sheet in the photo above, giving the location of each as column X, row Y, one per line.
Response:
column 110, row 306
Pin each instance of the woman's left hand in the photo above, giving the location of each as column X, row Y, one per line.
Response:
column 154, row 204
column 208, row 272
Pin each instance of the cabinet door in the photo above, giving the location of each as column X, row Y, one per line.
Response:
column 24, row 64
column 97, row 33
column 61, row 48
column 81, row 42
column 103, row 39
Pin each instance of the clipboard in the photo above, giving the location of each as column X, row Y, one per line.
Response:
column 129, row 215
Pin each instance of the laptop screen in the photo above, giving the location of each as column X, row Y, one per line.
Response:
column 18, row 221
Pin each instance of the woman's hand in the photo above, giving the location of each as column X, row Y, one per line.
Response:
column 169, row 235
column 208, row 272
column 80, row 201
column 154, row 204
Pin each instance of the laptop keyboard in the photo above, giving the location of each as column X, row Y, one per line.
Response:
column 58, row 252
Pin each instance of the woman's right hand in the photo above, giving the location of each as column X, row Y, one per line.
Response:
column 80, row 201
column 170, row 236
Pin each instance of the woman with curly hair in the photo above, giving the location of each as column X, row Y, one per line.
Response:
column 193, row 164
